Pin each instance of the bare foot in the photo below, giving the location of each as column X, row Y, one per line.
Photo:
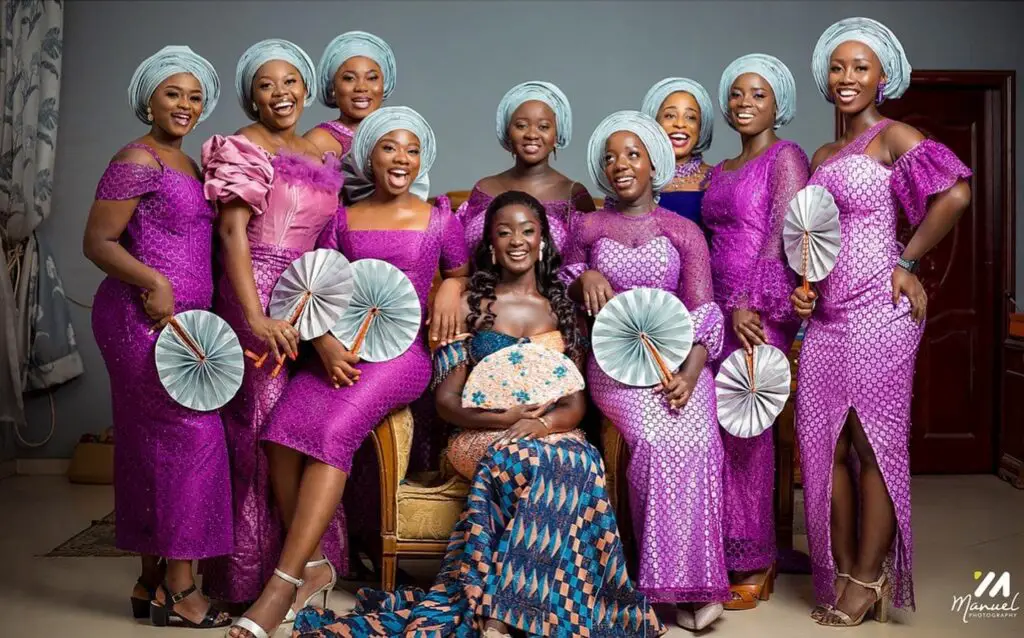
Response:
column 747, row 578
column 496, row 629
column 269, row 609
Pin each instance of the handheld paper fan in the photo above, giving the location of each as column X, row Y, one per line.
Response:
column 752, row 390
column 521, row 374
column 811, row 233
column 199, row 360
column 311, row 294
column 641, row 336
column 383, row 317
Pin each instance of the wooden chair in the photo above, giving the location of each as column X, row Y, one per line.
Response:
column 417, row 511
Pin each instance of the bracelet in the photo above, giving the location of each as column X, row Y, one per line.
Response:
column 544, row 422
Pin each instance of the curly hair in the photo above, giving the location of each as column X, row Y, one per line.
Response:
column 487, row 274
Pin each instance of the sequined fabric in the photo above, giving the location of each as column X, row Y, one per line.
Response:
column 171, row 481
column 471, row 214
column 675, row 471
column 329, row 424
column 537, row 547
column 339, row 132
column 292, row 198
column 744, row 212
column 859, row 350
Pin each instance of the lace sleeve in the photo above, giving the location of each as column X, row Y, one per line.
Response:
column 770, row 280
column 329, row 236
column 925, row 170
column 454, row 253
column 577, row 254
column 127, row 180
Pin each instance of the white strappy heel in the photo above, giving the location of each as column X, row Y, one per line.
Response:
column 249, row 625
column 325, row 591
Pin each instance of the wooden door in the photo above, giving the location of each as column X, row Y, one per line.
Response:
column 967, row 275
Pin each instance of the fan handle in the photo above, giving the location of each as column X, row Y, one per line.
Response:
column 666, row 374
column 363, row 329
column 186, row 339
column 806, row 257
column 750, row 369
column 259, row 360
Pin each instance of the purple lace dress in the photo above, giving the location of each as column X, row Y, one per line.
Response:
column 859, row 350
column 676, row 467
column 471, row 214
column 292, row 198
column 743, row 212
column 339, row 132
column 171, row 481
column 330, row 424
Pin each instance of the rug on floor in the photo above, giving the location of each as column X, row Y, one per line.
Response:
column 96, row 540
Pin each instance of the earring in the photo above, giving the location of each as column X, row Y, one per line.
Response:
column 880, row 97
column 149, row 114
column 494, row 260
column 543, row 245
column 554, row 153
column 255, row 109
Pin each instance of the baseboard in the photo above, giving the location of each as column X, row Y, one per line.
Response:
column 1011, row 469
column 43, row 467
column 8, row 468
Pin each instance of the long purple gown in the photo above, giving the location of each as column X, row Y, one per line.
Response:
column 859, row 350
column 292, row 198
column 328, row 423
column 171, row 480
column 471, row 213
column 743, row 212
column 676, row 467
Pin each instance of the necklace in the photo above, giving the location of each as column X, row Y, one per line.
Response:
column 690, row 167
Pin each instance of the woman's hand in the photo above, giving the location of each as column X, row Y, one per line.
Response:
column 803, row 303
column 906, row 283
column 529, row 426
column 338, row 362
column 678, row 390
column 596, row 291
column 747, row 326
column 158, row 303
column 443, row 317
column 280, row 336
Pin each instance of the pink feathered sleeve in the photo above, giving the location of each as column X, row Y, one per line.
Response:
column 235, row 168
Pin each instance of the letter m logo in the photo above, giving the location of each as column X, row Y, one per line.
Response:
column 1000, row 586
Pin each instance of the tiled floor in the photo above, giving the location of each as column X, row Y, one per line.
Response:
column 961, row 525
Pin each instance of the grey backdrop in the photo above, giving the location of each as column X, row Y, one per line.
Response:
column 455, row 60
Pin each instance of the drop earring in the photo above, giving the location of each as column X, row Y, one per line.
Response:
column 543, row 245
column 880, row 96
column 149, row 114
column 255, row 109
column 494, row 259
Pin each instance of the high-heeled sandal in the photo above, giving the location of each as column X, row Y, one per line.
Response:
column 247, row 624
column 325, row 591
column 879, row 609
column 746, row 596
column 140, row 606
column 819, row 612
column 163, row 615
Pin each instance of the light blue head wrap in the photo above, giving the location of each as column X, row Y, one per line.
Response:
column 660, row 91
column 358, row 174
column 259, row 54
column 350, row 45
column 545, row 92
column 872, row 33
column 774, row 72
column 162, row 65
column 650, row 133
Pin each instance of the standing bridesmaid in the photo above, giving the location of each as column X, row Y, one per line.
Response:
column 151, row 231
column 357, row 73
column 857, row 361
column 744, row 209
column 275, row 192
column 683, row 108
column 672, row 432
column 331, row 406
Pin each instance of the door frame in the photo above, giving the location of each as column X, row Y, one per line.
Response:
column 1001, row 85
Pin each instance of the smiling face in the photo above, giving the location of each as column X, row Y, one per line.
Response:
column 516, row 235
column 358, row 87
column 395, row 161
column 532, row 132
column 279, row 93
column 679, row 115
column 854, row 72
column 627, row 166
column 176, row 104
column 752, row 105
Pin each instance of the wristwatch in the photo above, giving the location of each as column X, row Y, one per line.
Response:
column 910, row 265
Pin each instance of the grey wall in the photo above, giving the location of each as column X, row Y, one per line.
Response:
column 455, row 60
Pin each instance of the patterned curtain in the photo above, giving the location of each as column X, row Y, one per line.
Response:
column 30, row 61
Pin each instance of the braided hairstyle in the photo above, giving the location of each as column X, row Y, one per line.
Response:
column 487, row 274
